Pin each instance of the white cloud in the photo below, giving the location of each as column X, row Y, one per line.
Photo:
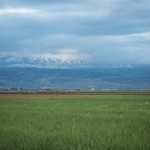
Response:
column 140, row 35
column 122, row 38
column 63, row 12
column 17, row 11
column 68, row 51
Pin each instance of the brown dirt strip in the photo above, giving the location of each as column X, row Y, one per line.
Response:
column 37, row 96
column 67, row 95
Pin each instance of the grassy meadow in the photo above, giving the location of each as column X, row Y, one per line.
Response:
column 79, row 123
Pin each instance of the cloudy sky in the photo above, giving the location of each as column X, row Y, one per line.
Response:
column 99, row 31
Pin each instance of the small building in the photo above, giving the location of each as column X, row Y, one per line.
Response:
column 92, row 89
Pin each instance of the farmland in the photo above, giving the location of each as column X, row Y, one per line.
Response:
column 75, row 121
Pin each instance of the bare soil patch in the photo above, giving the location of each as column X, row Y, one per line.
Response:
column 21, row 95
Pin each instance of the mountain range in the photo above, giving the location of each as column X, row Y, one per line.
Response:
column 75, row 78
column 41, row 61
column 55, row 72
column 53, row 62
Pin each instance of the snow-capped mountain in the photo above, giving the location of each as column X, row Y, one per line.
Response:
column 41, row 61
column 55, row 61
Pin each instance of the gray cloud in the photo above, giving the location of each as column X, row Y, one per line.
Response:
column 110, row 31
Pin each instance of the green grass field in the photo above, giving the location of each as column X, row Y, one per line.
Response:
column 85, row 123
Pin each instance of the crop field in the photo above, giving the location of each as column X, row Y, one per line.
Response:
column 74, row 122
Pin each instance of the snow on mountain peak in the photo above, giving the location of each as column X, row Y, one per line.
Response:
column 45, row 60
column 63, row 56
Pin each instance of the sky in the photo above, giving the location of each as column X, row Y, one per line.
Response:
column 97, row 31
